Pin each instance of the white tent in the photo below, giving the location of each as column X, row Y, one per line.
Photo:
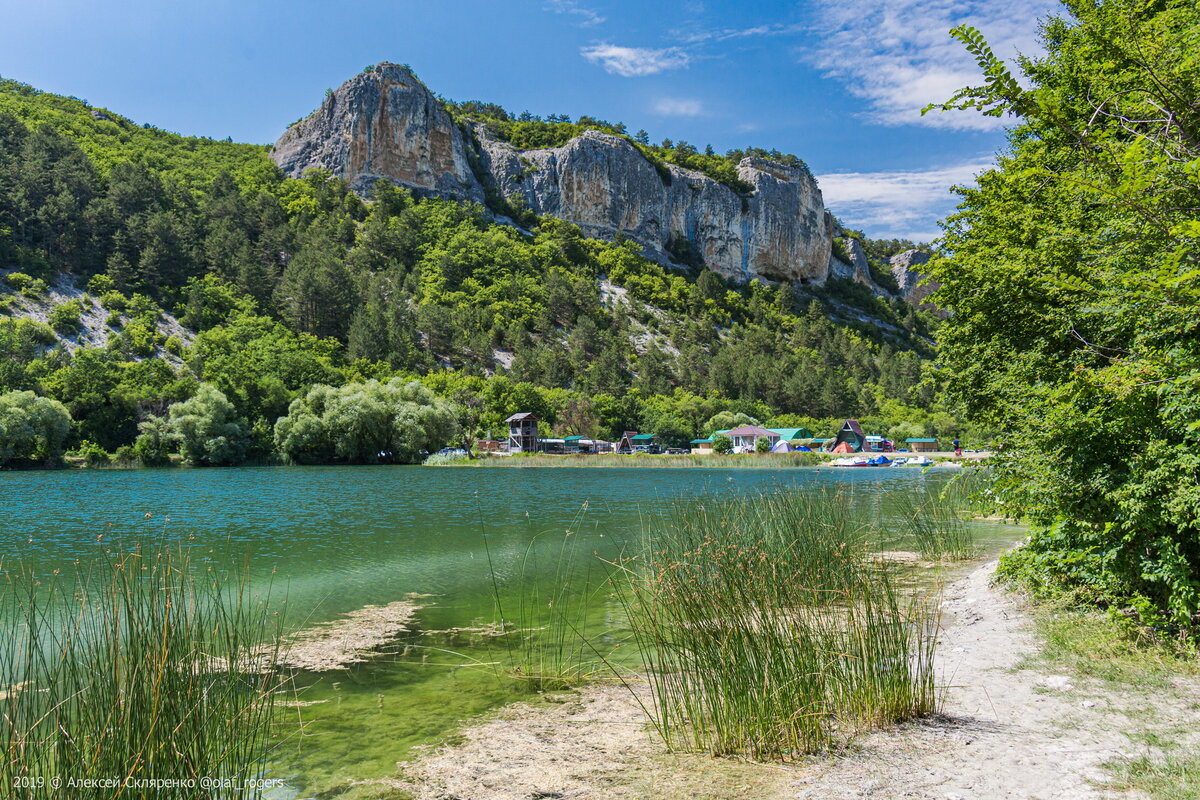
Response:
column 782, row 446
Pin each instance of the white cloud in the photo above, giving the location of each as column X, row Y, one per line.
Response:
column 897, row 204
column 584, row 17
column 899, row 57
column 634, row 62
column 678, row 107
column 725, row 34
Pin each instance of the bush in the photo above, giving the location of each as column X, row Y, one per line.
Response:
column 365, row 423
column 762, row 445
column 64, row 318
column 100, row 285
column 92, row 454
column 208, row 429
column 114, row 301
column 722, row 444
column 18, row 280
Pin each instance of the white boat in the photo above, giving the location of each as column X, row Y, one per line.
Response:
column 900, row 462
column 852, row 461
column 919, row 461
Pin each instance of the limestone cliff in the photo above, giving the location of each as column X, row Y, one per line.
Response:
column 382, row 124
column 914, row 286
column 386, row 124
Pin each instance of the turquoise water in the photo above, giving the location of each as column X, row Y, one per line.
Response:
column 334, row 539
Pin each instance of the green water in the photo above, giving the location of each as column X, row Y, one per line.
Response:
column 331, row 540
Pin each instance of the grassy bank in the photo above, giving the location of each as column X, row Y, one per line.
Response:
column 1164, row 765
column 146, row 670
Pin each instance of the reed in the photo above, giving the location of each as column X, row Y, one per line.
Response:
column 936, row 520
column 553, row 608
column 768, row 631
column 143, row 671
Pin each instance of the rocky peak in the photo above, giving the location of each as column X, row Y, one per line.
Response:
column 383, row 123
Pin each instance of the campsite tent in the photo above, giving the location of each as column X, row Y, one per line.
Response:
column 782, row 446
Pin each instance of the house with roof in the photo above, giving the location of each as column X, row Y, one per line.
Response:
column 746, row 436
column 850, row 438
column 523, row 432
column 922, row 445
column 701, row 446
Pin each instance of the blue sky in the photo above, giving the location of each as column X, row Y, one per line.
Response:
column 837, row 82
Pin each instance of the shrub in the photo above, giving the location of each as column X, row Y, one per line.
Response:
column 92, row 454
column 64, row 318
column 762, row 445
column 722, row 444
column 208, row 429
column 100, row 284
column 18, row 280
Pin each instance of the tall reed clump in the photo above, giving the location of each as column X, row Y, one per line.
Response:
column 141, row 677
column 936, row 520
column 546, row 638
column 768, row 630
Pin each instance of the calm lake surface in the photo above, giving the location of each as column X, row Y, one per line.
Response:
column 333, row 539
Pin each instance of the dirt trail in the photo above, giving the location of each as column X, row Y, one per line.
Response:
column 1007, row 731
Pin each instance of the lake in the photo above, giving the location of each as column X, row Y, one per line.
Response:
column 333, row 539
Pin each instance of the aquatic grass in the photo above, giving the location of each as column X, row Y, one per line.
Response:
column 143, row 670
column 548, row 646
column 768, row 631
column 934, row 518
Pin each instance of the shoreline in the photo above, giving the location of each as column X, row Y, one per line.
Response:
column 1011, row 724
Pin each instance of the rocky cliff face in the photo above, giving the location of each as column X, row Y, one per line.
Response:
column 382, row 124
column 386, row 124
column 909, row 278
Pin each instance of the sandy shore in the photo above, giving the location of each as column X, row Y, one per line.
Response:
column 1009, row 729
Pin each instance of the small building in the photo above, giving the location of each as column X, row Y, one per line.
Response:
column 878, row 444
column 850, row 439
column 578, row 444
column 922, row 445
column 488, row 446
column 625, row 443
column 523, row 432
column 745, row 437
column 644, row 443
column 701, row 446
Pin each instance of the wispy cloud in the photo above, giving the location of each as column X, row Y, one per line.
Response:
column 678, row 107
column 635, row 62
column 899, row 57
column 583, row 16
column 898, row 204
column 706, row 35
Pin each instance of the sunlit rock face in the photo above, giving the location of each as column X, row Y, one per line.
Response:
column 382, row 124
column 386, row 124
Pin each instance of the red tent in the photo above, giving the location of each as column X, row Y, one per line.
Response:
column 844, row 447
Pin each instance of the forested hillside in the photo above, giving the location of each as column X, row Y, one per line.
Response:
column 283, row 284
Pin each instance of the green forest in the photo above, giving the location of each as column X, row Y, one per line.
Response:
column 227, row 291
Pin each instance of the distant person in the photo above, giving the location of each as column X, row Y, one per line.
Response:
column 957, row 447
